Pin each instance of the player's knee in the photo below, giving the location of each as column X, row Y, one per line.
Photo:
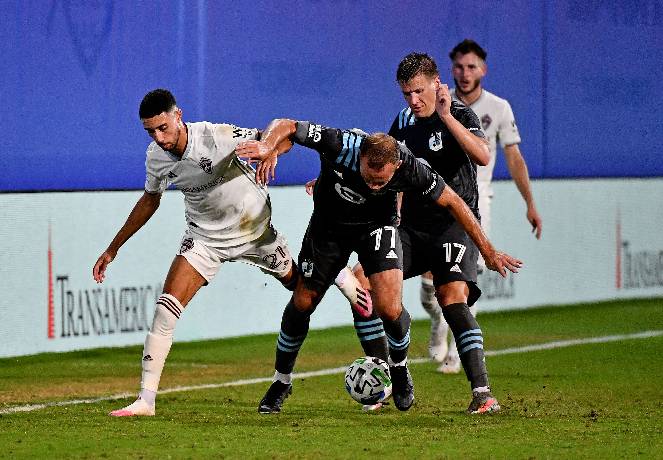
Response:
column 451, row 293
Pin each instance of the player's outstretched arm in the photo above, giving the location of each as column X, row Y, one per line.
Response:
column 275, row 141
column 495, row 260
column 142, row 212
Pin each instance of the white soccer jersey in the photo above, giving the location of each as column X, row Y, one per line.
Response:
column 224, row 206
column 498, row 123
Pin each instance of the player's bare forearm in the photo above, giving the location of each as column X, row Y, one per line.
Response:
column 518, row 170
column 277, row 134
column 475, row 147
column 143, row 210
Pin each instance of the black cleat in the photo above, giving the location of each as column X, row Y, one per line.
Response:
column 403, row 387
column 273, row 400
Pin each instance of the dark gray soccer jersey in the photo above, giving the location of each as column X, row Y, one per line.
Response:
column 224, row 205
column 431, row 141
column 342, row 198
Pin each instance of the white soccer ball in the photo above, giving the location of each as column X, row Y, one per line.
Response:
column 368, row 380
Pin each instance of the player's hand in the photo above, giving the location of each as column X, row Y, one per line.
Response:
column 309, row 186
column 253, row 150
column 443, row 101
column 535, row 220
column 266, row 169
column 99, row 269
column 501, row 262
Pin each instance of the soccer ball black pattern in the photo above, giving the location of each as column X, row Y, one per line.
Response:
column 367, row 380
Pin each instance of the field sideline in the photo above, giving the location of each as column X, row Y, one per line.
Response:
column 574, row 382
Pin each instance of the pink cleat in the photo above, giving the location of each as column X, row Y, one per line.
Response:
column 359, row 298
column 138, row 408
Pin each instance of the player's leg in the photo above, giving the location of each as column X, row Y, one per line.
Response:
column 437, row 344
column 182, row 282
column 451, row 362
column 381, row 255
column 316, row 275
column 358, row 296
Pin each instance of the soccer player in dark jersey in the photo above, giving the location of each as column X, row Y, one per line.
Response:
column 447, row 136
column 355, row 210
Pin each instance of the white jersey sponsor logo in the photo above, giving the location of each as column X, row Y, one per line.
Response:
column 348, row 194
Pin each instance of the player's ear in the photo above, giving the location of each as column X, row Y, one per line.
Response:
column 438, row 83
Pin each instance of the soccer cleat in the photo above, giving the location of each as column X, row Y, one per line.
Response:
column 451, row 365
column 359, row 298
column 437, row 345
column 403, row 387
column 273, row 400
column 138, row 407
column 482, row 403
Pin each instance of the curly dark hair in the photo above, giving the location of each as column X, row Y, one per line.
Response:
column 155, row 102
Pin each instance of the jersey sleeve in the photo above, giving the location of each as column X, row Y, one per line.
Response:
column 507, row 131
column 229, row 136
column 468, row 118
column 154, row 182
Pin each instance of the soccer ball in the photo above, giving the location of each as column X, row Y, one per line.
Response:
column 367, row 380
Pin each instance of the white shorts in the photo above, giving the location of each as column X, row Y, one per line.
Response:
column 269, row 252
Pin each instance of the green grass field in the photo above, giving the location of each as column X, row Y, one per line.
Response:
column 595, row 400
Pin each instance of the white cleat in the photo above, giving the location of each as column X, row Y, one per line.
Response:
column 138, row 407
column 437, row 345
column 451, row 365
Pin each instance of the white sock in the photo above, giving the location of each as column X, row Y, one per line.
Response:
column 283, row 378
column 428, row 300
column 159, row 340
column 148, row 396
column 481, row 389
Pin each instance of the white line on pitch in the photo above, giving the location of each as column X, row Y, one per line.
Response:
column 336, row 370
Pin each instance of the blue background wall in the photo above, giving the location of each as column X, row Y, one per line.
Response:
column 580, row 75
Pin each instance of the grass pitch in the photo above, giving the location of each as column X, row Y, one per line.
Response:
column 601, row 400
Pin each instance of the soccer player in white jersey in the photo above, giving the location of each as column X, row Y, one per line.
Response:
column 498, row 123
column 228, row 218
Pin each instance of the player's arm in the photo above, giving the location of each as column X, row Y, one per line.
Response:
column 474, row 146
column 140, row 214
column 495, row 260
column 274, row 141
column 518, row 170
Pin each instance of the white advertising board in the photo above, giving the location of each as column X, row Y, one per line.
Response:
column 601, row 240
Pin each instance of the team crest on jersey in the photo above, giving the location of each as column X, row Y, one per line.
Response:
column 315, row 132
column 307, row 268
column 206, row 165
column 486, row 121
column 187, row 243
column 435, row 141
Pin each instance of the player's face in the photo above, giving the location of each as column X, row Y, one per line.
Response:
column 164, row 128
column 468, row 70
column 376, row 179
column 420, row 92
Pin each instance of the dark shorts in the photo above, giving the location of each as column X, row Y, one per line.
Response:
column 325, row 252
column 450, row 255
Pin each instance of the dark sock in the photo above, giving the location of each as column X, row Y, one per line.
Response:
column 469, row 341
column 370, row 332
column 294, row 328
column 398, row 335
